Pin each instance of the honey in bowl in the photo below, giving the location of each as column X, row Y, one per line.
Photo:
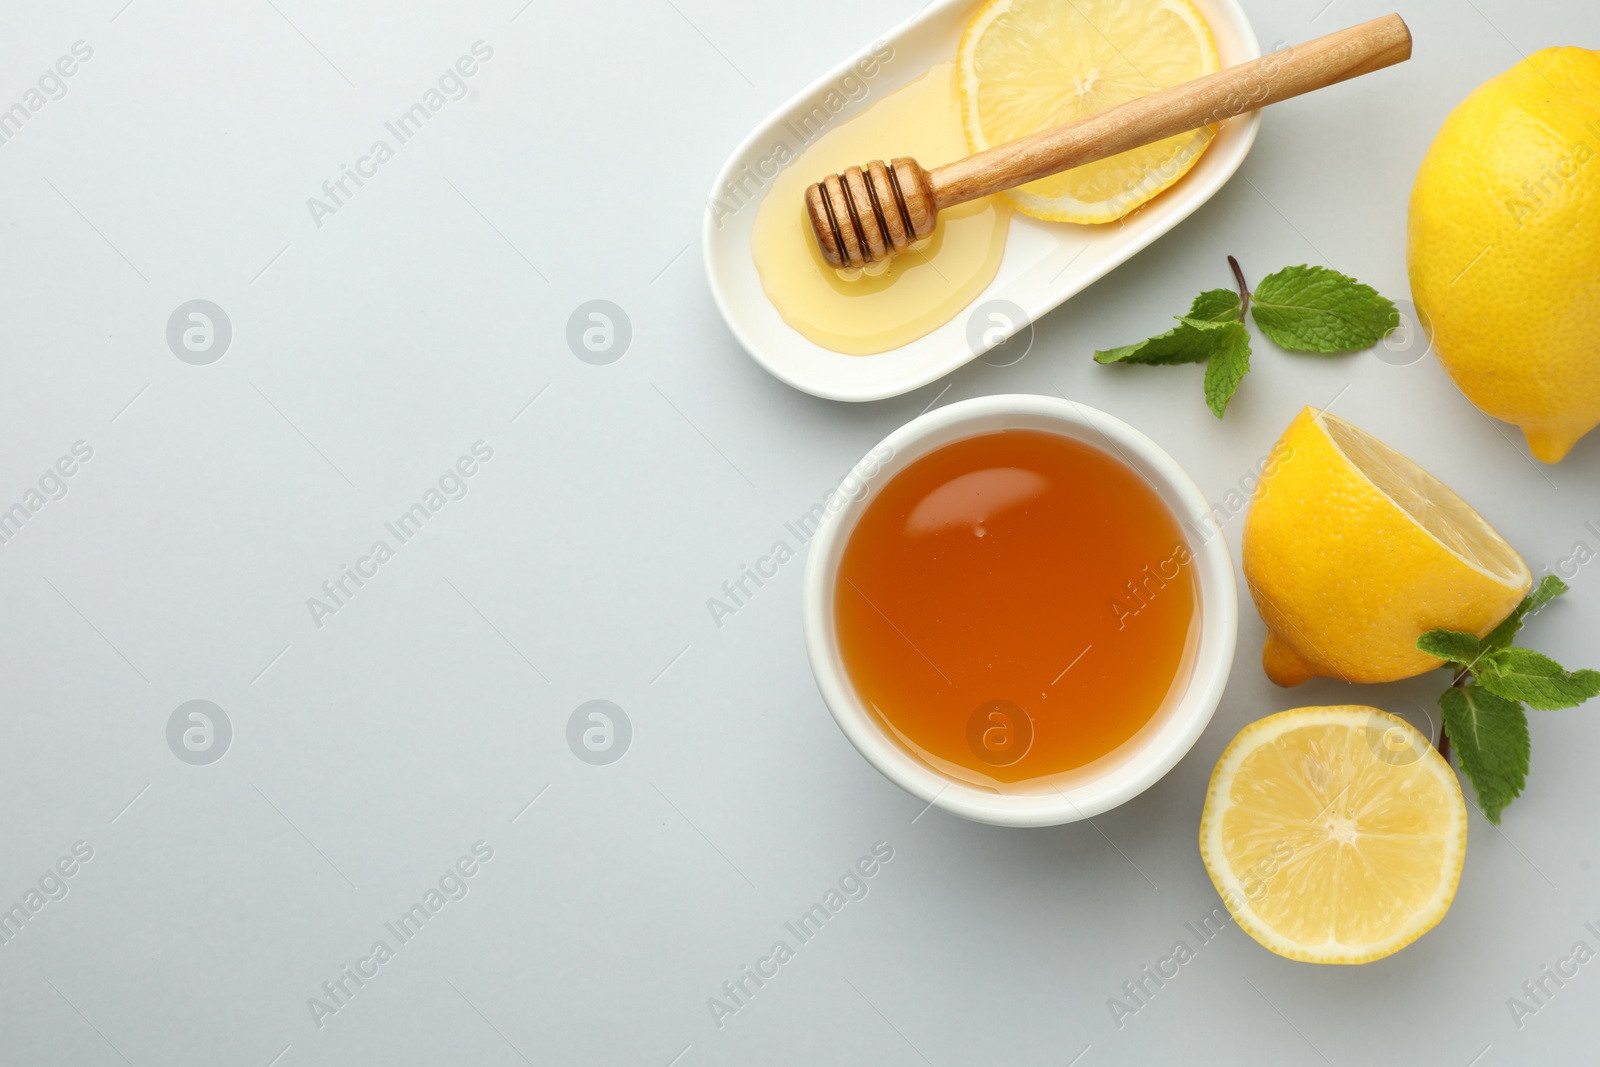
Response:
column 1016, row 606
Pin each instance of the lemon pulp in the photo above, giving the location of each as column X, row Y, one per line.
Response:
column 1027, row 65
column 1334, row 834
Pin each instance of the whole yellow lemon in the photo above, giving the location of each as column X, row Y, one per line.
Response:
column 1503, row 247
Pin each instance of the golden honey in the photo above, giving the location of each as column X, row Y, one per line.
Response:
column 921, row 289
column 1014, row 606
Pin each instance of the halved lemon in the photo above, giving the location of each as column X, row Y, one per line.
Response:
column 1335, row 835
column 1027, row 65
column 1352, row 552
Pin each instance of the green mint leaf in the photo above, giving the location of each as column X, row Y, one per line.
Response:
column 1215, row 305
column 1535, row 679
column 1182, row 344
column 1490, row 735
column 1314, row 309
column 1547, row 590
column 1189, row 341
column 1451, row 645
column 1228, row 366
column 1209, row 324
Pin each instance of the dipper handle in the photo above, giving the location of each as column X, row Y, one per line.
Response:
column 864, row 215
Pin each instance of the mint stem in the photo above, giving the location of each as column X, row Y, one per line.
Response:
column 1244, row 290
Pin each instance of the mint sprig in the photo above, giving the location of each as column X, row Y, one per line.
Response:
column 1303, row 309
column 1483, row 713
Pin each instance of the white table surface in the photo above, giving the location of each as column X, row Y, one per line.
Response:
column 368, row 754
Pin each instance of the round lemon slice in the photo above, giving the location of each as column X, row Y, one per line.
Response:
column 1027, row 65
column 1335, row 835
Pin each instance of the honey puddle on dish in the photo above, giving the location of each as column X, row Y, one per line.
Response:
column 1016, row 605
column 923, row 288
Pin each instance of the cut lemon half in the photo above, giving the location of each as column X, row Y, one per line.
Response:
column 1335, row 835
column 1026, row 65
column 1352, row 552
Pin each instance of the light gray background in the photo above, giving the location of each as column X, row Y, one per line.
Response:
column 370, row 753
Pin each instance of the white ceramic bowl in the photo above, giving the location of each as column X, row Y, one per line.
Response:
column 1045, row 263
column 1139, row 762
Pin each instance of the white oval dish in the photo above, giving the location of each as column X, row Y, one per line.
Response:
column 1045, row 263
column 1140, row 761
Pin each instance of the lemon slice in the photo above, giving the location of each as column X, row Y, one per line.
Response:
column 1352, row 552
column 1335, row 835
column 1027, row 65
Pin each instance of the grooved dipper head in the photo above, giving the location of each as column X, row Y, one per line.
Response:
column 867, row 214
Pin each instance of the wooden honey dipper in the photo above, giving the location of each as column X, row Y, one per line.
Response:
column 867, row 214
